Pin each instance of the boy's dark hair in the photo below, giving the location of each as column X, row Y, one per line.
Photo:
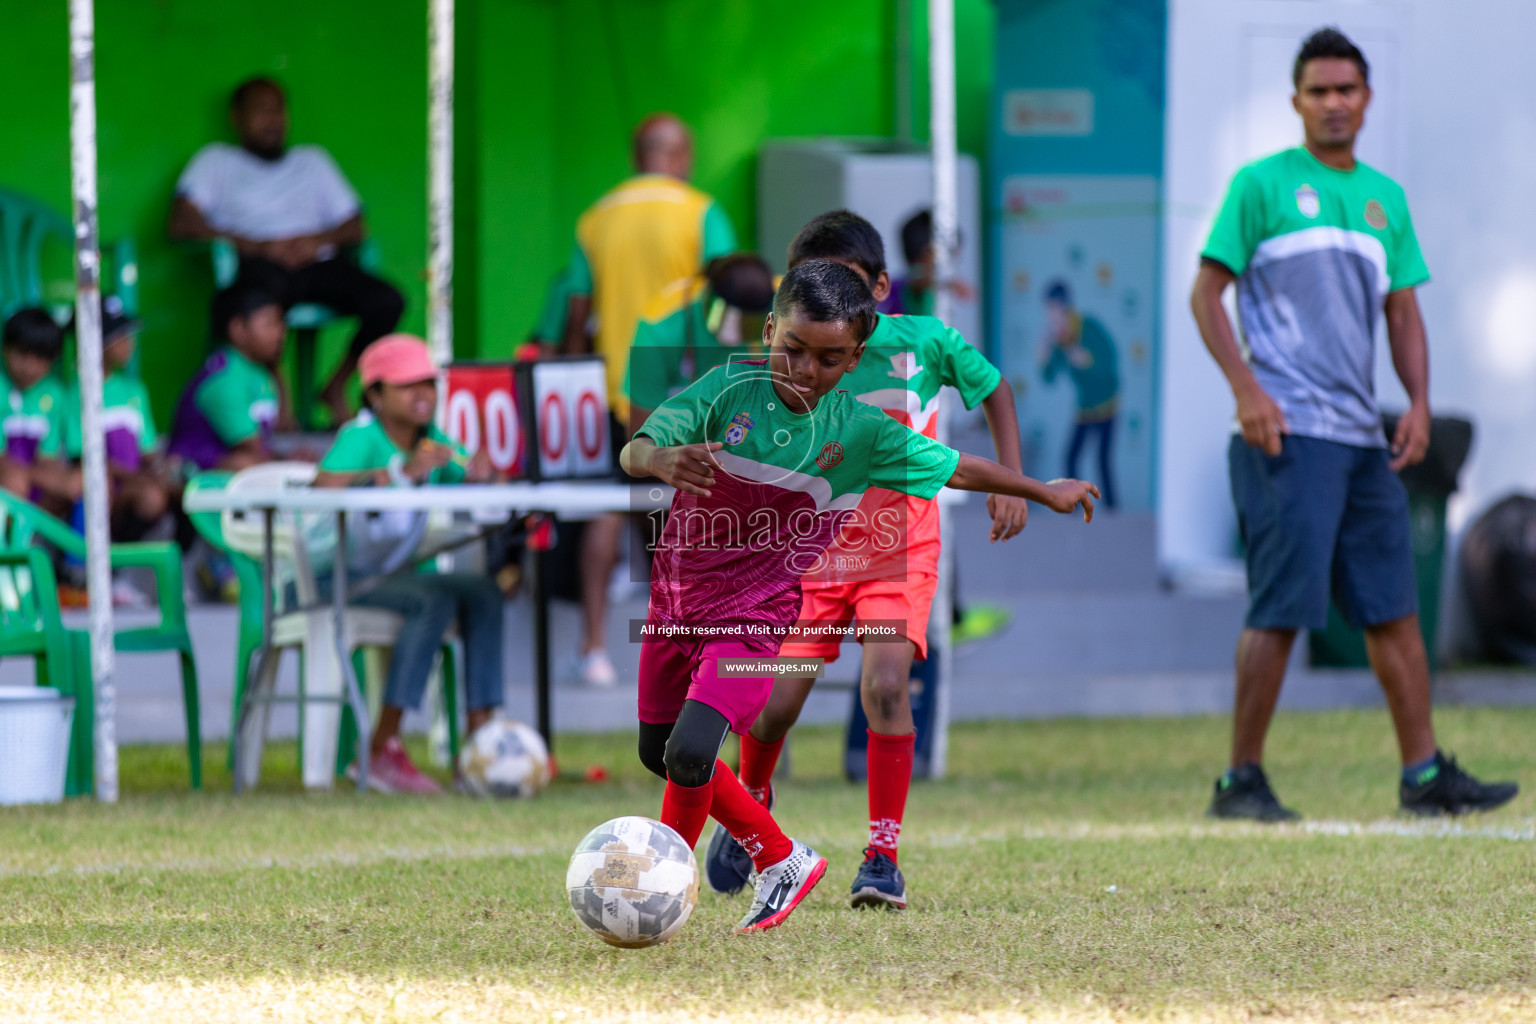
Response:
column 237, row 302
column 243, row 91
column 825, row 291
column 1329, row 42
column 917, row 236
column 33, row 331
column 840, row 235
column 1058, row 291
column 743, row 280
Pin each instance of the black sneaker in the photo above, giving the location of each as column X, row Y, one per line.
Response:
column 1446, row 789
column 1244, row 793
column 726, row 865
column 879, row 883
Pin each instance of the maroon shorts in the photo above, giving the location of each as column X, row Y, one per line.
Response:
column 672, row 671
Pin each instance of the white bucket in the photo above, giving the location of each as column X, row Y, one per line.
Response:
column 34, row 744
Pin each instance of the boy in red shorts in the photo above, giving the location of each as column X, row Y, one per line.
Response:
column 906, row 361
column 770, row 459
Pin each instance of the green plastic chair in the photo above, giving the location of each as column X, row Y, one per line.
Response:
column 210, row 527
column 28, row 227
column 305, row 319
column 22, row 523
column 31, row 627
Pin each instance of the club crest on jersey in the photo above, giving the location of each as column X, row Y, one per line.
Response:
column 1375, row 214
column 737, row 431
column 904, row 365
column 1307, row 202
column 831, row 455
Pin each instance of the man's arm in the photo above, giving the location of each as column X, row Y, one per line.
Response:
column 973, row 473
column 1262, row 422
column 188, row 224
column 1008, row 514
column 1410, row 358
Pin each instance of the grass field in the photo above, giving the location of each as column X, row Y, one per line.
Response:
column 1063, row 871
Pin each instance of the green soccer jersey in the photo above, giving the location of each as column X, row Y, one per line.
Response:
column 363, row 446
column 1316, row 250
column 125, row 420
column 229, row 401
column 33, row 420
column 906, row 361
column 789, row 481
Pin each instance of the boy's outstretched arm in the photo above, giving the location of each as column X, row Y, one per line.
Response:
column 1009, row 514
column 688, row 467
column 978, row 474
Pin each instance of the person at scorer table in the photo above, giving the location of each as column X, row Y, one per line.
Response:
column 906, row 361
column 393, row 443
column 769, row 458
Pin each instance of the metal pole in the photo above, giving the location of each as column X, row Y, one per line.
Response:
column 941, row 76
column 82, row 158
column 440, row 183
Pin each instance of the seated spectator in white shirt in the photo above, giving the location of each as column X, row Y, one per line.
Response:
column 288, row 212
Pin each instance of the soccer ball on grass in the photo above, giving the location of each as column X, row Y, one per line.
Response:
column 504, row 758
column 633, row 882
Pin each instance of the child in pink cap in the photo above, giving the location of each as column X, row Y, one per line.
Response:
column 393, row 443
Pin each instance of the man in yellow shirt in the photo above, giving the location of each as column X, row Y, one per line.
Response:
column 644, row 234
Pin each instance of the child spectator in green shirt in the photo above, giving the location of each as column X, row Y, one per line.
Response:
column 32, row 418
column 141, row 496
column 225, row 417
column 393, row 443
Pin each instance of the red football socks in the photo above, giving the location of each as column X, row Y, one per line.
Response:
column 728, row 802
column 890, row 776
column 747, row 820
column 758, row 760
column 686, row 810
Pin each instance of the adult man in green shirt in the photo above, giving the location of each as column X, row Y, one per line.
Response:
column 1321, row 248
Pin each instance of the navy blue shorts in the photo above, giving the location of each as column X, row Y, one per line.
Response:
column 1321, row 518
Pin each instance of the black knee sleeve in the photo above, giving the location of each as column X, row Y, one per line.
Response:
column 653, row 747
column 694, row 745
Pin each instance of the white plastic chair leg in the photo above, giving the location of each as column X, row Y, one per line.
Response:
column 253, row 732
column 322, row 718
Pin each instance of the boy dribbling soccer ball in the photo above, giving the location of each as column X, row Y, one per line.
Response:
column 907, row 359
column 770, row 459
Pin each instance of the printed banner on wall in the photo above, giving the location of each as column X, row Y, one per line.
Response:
column 1078, row 283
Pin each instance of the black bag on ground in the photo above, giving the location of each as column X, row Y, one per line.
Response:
column 1498, row 567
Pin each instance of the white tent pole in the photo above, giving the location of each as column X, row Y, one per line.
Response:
column 440, row 182
column 82, row 154
column 941, row 79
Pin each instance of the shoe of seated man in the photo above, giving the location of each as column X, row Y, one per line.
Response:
column 391, row 771
column 728, row 867
column 779, row 888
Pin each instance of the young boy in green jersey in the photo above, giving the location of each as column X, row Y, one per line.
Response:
column 770, row 459
column 33, row 416
column 393, row 443
column 226, row 414
column 906, row 361
column 141, row 492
